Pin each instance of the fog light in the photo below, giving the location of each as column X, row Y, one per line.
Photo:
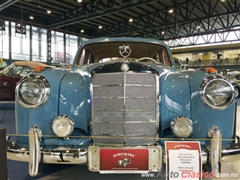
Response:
column 63, row 126
column 182, row 126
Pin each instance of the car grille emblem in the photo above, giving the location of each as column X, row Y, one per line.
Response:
column 124, row 67
column 125, row 51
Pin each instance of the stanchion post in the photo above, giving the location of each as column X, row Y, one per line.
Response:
column 3, row 155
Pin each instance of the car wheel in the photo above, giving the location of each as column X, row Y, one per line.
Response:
column 236, row 92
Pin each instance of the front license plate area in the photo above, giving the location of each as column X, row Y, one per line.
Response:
column 107, row 160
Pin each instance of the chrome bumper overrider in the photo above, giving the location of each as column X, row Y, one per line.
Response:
column 35, row 154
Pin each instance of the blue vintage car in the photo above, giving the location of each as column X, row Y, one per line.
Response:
column 123, row 97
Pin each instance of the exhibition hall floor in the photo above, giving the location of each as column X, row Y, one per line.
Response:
column 19, row 170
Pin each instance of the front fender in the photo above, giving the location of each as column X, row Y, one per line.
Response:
column 43, row 115
column 74, row 99
column 175, row 98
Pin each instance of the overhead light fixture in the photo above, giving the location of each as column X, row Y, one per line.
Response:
column 130, row 20
column 31, row 17
column 198, row 27
column 82, row 31
column 49, row 12
column 170, row 11
column 99, row 27
column 79, row 1
column 163, row 32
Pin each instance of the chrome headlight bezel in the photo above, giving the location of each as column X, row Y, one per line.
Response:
column 176, row 126
column 65, row 121
column 208, row 100
column 40, row 81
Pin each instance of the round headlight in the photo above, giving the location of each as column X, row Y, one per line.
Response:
column 182, row 127
column 32, row 91
column 217, row 92
column 63, row 126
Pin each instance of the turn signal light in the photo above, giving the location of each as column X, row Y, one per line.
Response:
column 211, row 70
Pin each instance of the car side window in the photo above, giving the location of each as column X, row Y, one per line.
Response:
column 82, row 57
column 85, row 57
column 165, row 57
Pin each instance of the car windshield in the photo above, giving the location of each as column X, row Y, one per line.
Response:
column 118, row 51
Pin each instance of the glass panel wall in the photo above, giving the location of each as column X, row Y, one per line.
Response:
column 4, row 42
column 57, row 46
column 20, row 43
column 39, row 44
column 71, row 47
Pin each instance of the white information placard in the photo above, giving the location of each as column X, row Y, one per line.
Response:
column 183, row 160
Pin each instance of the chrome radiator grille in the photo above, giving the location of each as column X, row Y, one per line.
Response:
column 124, row 109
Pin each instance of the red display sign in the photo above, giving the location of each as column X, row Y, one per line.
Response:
column 123, row 159
column 190, row 145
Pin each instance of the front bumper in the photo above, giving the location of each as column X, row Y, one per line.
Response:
column 53, row 156
column 36, row 155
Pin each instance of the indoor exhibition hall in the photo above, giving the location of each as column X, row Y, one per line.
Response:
column 120, row 89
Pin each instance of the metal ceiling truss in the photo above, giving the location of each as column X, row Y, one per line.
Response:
column 180, row 24
column 223, row 23
column 7, row 4
column 220, row 37
column 96, row 9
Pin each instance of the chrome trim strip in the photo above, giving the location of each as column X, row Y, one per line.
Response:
column 234, row 149
column 34, row 134
column 215, row 152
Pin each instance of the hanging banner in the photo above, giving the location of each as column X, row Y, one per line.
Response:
column 20, row 28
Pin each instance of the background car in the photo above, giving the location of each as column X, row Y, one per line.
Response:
column 236, row 88
column 232, row 76
column 180, row 64
column 236, row 78
column 10, row 76
column 118, row 106
column 2, row 67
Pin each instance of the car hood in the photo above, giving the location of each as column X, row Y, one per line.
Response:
column 116, row 66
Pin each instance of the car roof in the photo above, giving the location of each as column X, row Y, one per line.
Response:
column 123, row 39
